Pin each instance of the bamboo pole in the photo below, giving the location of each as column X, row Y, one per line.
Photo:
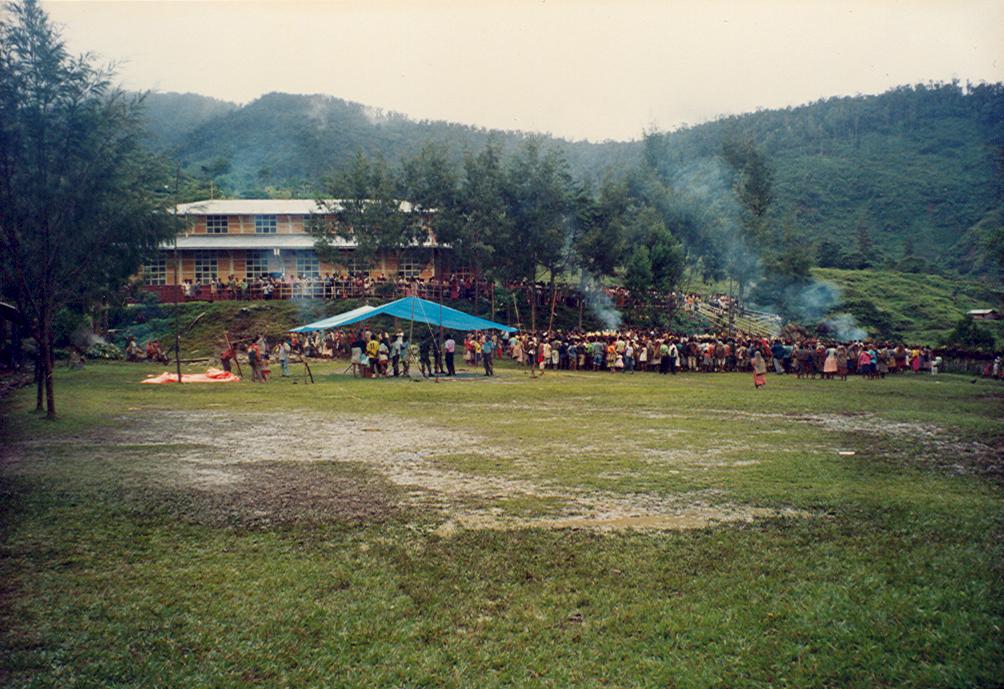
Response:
column 237, row 361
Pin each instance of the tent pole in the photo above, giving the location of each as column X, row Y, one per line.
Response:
column 441, row 357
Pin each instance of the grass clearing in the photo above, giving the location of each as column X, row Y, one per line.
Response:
column 575, row 530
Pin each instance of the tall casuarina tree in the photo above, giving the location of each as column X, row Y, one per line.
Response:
column 79, row 204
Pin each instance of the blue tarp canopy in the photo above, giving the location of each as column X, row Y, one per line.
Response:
column 335, row 321
column 411, row 309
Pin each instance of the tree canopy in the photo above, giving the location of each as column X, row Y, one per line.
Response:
column 83, row 202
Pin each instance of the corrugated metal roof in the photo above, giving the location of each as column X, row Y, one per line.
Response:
column 260, row 207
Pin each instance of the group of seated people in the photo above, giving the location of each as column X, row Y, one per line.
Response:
column 151, row 352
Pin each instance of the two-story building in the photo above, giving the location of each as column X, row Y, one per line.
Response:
column 248, row 238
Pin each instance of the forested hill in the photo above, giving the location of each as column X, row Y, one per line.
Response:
column 916, row 170
column 293, row 141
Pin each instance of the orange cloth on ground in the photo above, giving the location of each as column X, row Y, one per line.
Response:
column 212, row 375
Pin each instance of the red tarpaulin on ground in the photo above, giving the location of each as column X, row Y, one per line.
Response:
column 212, row 375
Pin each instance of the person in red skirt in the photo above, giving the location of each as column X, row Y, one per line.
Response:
column 759, row 370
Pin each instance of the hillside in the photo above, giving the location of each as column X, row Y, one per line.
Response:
column 921, row 163
column 294, row 141
column 916, row 308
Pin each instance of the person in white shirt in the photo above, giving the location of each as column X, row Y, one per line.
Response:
column 282, row 350
column 450, row 348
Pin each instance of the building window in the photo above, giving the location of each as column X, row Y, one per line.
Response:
column 155, row 271
column 216, row 224
column 307, row 265
column 411, row 264
column 352, row 263
column 256, row 264
column 264, row 224
column 314, row 223
column 205, row 266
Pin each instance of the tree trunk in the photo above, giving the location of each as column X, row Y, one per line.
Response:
column 50, row 400
column 39, row 377
column 554, row 299
column 477, row 290
column 533, row 307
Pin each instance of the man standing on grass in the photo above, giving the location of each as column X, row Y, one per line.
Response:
column 450, row 347
column 487, row 349
column 254, row 362
column 283, row 352
column 396, row 350
column 777, row 354
column 424, row 363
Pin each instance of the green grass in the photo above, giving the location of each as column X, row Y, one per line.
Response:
column 888, row 576
column 919, row 308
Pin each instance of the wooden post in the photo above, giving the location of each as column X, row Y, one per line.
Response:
column 237, row 361
column 177, row 285
column 554, row 300
column 307, row 366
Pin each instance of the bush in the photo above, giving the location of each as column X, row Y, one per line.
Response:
column 970, row 335
column 67, row 324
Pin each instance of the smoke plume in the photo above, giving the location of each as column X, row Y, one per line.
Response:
column 599, row 302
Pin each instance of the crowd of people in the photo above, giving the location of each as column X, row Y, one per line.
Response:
column 363, row 284
column 666, row 353
column 373, row 353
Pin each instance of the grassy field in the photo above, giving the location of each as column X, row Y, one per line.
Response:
column 579, row 530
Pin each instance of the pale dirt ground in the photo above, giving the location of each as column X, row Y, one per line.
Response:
column 263, row 468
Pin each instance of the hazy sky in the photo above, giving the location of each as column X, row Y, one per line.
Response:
column 580, row 69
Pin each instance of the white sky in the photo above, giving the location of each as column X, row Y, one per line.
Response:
column 583, row 69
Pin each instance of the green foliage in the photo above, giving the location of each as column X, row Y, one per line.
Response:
column 601, row 236
column 923, row 160
column 368, row 212
column 539, row 204
column 66, row 324
column 83, row 202
column 787, row 277
column 662, row 258
column 478, row 213
column 638, row 271
column 970, row 335
column 920, row 309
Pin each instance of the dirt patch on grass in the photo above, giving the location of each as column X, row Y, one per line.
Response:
column 261, row 469
column 922, row 444
column 268, row 494
column 693, row 517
